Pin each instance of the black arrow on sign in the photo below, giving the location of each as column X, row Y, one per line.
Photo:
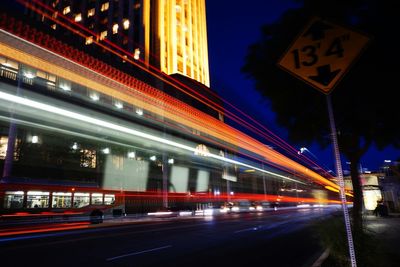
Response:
column 317, row 30
column 325, row 75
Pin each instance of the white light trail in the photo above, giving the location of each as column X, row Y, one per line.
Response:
column 86, row 119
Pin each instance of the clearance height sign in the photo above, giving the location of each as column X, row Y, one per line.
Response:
column 322, row 54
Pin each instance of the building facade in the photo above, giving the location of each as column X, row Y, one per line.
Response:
column 83, row 123
column 170, row 35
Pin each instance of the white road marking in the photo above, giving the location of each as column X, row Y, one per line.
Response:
column 247, row 229
column 137, row 253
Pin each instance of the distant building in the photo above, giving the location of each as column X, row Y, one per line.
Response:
column 390, row 183
column 382, row 186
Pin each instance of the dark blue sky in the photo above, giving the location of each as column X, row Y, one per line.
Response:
column 233, row 25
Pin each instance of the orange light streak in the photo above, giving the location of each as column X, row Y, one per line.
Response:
column 182, row 113
column 157, row 73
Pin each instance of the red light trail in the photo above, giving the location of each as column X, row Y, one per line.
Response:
column 191, row 92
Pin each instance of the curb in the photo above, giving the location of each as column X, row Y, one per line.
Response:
column 321, row 258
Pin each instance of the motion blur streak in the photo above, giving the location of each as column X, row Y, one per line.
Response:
column 63, row 227
column 102, row 123
column 202, row 99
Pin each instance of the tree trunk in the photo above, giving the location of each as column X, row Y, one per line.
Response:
column 358, row 195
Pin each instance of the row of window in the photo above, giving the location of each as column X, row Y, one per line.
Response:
column 42, row 199
column 10, row 69
column 104, row 7
column 32, row 76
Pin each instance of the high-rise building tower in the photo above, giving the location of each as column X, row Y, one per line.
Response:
column 182, row 31
column 171, row 35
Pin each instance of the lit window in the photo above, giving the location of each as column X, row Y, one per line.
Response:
column 78, row 17
column 5, row 62
column 118, row 162
column 139, row 111
column 4, row 145
column 105, row 6
column 103, row 35
column 65, row 85
column 126, row 24
column 89, row 40
column 29, row 75
column 75, row 146
column 94, row 96
column 81, row 199
column 115, row 28
column 46, row 76
column 136, row 55
column 35, row 139
column 66, row 10
column 61, row 199
column 97, row 198
column 118, row 105
column 13, row 199
column 201, row 150
column 91, row 12
column 220, row 116
column 37, row 199
column 109, row 199
column 88, row 158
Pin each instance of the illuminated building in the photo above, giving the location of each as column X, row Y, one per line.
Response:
column 170, row 35
column 80, row 128
column 183, row 38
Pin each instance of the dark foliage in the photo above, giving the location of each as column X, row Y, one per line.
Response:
column 366, row 100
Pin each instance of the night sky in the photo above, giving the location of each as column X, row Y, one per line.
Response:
column 233, row 25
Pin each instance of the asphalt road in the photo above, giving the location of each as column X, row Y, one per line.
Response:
column 279, row 238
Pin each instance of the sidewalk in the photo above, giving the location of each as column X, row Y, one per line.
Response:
column 380, row 248
column 386, row 230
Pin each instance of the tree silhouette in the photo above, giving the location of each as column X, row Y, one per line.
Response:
column 365, row 103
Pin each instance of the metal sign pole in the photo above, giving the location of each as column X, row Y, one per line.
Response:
column 341, row 182
column 165, row 171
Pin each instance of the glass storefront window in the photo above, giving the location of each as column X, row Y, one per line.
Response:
column 4, row 145
column 88, row 158
column 13, row 199
column 81, row 199
column 97, row 199
column 61, row 200
column 37, row 199
column 7, row 63
column 109, row 199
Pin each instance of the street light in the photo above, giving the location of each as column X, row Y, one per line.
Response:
column 304, row 149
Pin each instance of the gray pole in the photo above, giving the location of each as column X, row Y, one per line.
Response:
column 339, row 173
column 12, row 135
column 264, row 184
column 165, row 171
